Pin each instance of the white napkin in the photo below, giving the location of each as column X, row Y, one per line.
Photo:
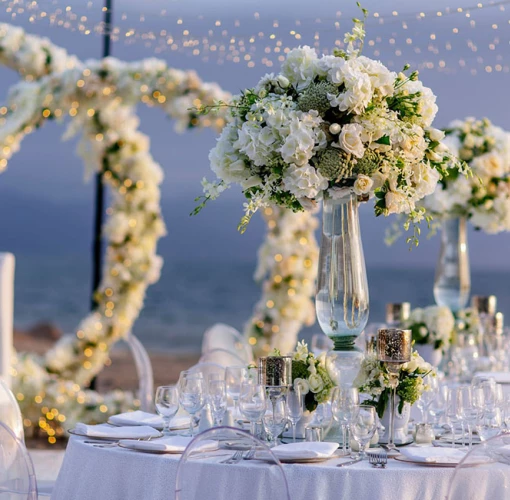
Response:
column 109, row 431
column 432, row 454
column 170, row 444
column 137, row 417
column 307, row 449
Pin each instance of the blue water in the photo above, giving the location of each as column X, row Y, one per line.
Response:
column 191, row 296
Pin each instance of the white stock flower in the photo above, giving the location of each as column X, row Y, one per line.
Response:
column 350, row 139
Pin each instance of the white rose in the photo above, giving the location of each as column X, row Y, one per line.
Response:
column 469, row 141
column 489, row 165
column 425, row 179
column 302, row 385
column 350, row 139
column 316, row 383
column 363, row 184
column 396, row 203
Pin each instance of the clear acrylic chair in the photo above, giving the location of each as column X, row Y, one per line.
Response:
column 221, row 336
column 10, row 413
column 222, row 357
column 201, row 473
column 208, row 368
column 484, row 472
column 17, row 476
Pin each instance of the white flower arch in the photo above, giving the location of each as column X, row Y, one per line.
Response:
column 100, row 98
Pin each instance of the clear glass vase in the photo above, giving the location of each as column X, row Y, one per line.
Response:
column 453, row 281
column 342, row 289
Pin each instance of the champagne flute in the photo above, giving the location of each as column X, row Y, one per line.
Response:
column 363, row 425
column 252, row 403
column 192, row 395
column 294, row 408
column 217, row 399
column 167, row 404
column 234, row 377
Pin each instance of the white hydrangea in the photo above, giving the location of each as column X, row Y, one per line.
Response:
column 304, row 181
column 300, row 66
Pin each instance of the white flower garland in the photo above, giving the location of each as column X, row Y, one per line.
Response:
column 100, row 97
column 287, row 268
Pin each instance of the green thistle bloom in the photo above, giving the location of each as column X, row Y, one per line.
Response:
column 334, row 164
column 370, row 162
column 316, row 97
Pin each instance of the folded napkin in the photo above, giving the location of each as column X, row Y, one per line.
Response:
column 432, row 454
column 170, row 444
column 109, row 431
column 137, row 417
column 304, row 450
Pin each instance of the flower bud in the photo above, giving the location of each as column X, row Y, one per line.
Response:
column 283, row 81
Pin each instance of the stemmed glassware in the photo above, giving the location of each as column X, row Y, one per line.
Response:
column 275, row 419
column 453, row 412
column 191, row 394
column 294, row 408
column 217, row 399
column 427, row 398
column 468, row 409
column 438, row 405
column 252, row 403
column 234, row 377
column 167, row 404
column 363, row 426
column 343, row 402
column 489, row 423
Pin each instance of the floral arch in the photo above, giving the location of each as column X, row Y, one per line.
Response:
column 99, row 97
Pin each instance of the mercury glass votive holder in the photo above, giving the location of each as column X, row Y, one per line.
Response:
column 485, row 304
column 394, row 345
column 397, row 313
column 275, row 371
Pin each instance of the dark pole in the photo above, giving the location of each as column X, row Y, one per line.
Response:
column 97, row 254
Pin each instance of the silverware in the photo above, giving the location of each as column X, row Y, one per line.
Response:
column 249, row 454
column 350, row 462
column 236, row 457
column 378, row 460
column 102, row 441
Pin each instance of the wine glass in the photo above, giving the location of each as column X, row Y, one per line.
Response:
column 234, row 377
column 438, row 405
column 468, row 409
column 427, row 397
column 489, row 423
column 167, row 404
column 363, row 425
column 452, row 412
column 217, row 399
column 343, row 402
column 252, row 403
column 192, row 395
column 294, row 408
column 275, row 419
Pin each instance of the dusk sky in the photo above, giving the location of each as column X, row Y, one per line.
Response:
column 46, row 207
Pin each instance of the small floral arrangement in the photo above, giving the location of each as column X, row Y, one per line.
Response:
column 468, row 321
column 328, row 124
column 432, row 325
column 311, row 376
column 484, row 197
column 375, row 380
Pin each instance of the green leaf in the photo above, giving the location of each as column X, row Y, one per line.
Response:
column 384, row 140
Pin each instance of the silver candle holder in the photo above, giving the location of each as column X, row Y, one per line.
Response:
column 393, row 349
column 485, row 304
column 397, row 313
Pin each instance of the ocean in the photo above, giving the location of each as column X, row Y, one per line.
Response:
column 193, row 295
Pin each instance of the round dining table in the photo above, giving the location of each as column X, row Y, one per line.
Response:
column 108, row 472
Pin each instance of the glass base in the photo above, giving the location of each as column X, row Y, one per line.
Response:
column 343, row 366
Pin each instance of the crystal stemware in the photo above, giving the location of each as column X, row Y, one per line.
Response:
column 217, row 399
column 167, row 404
column 294, row 408
column 468, row 409
column 191, row 395
column 452, row 412
column 234, row 377
column 428, row 397
column 252, row 403
column 363, row 426
column 489, row 423
column 275, row 419
column 343, row 402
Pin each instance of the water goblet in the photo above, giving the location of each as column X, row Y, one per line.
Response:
column 468, row 409
column 167, row 404
column 217, row 399
column 191, row 395
column 363, row 426
column 438, row 405
column 452, row 412
column 275, row 419
column 489, row 423
column 252, row 403
column 428, row 396
column 294, row 408
column 343, row 402
column 234, row 377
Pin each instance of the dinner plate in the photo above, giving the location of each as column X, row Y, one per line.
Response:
column 152, row 451
column 402, row 458
column 181, row 427
column 74, row 432
column 312, row 460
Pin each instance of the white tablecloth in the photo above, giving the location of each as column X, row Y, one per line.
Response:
column 91, row 473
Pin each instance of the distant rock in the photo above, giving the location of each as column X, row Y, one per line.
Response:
column 45, row 330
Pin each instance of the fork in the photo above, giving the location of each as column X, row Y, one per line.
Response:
column 236, row 457
column 378, row 460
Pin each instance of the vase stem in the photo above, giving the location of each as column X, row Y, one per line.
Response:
column 391, row 433
column 452, row 282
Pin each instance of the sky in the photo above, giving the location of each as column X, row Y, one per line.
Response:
column 46, row 207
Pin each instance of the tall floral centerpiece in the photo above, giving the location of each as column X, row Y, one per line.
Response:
column 432, row 329
column 483, row 199
column 340, row 129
